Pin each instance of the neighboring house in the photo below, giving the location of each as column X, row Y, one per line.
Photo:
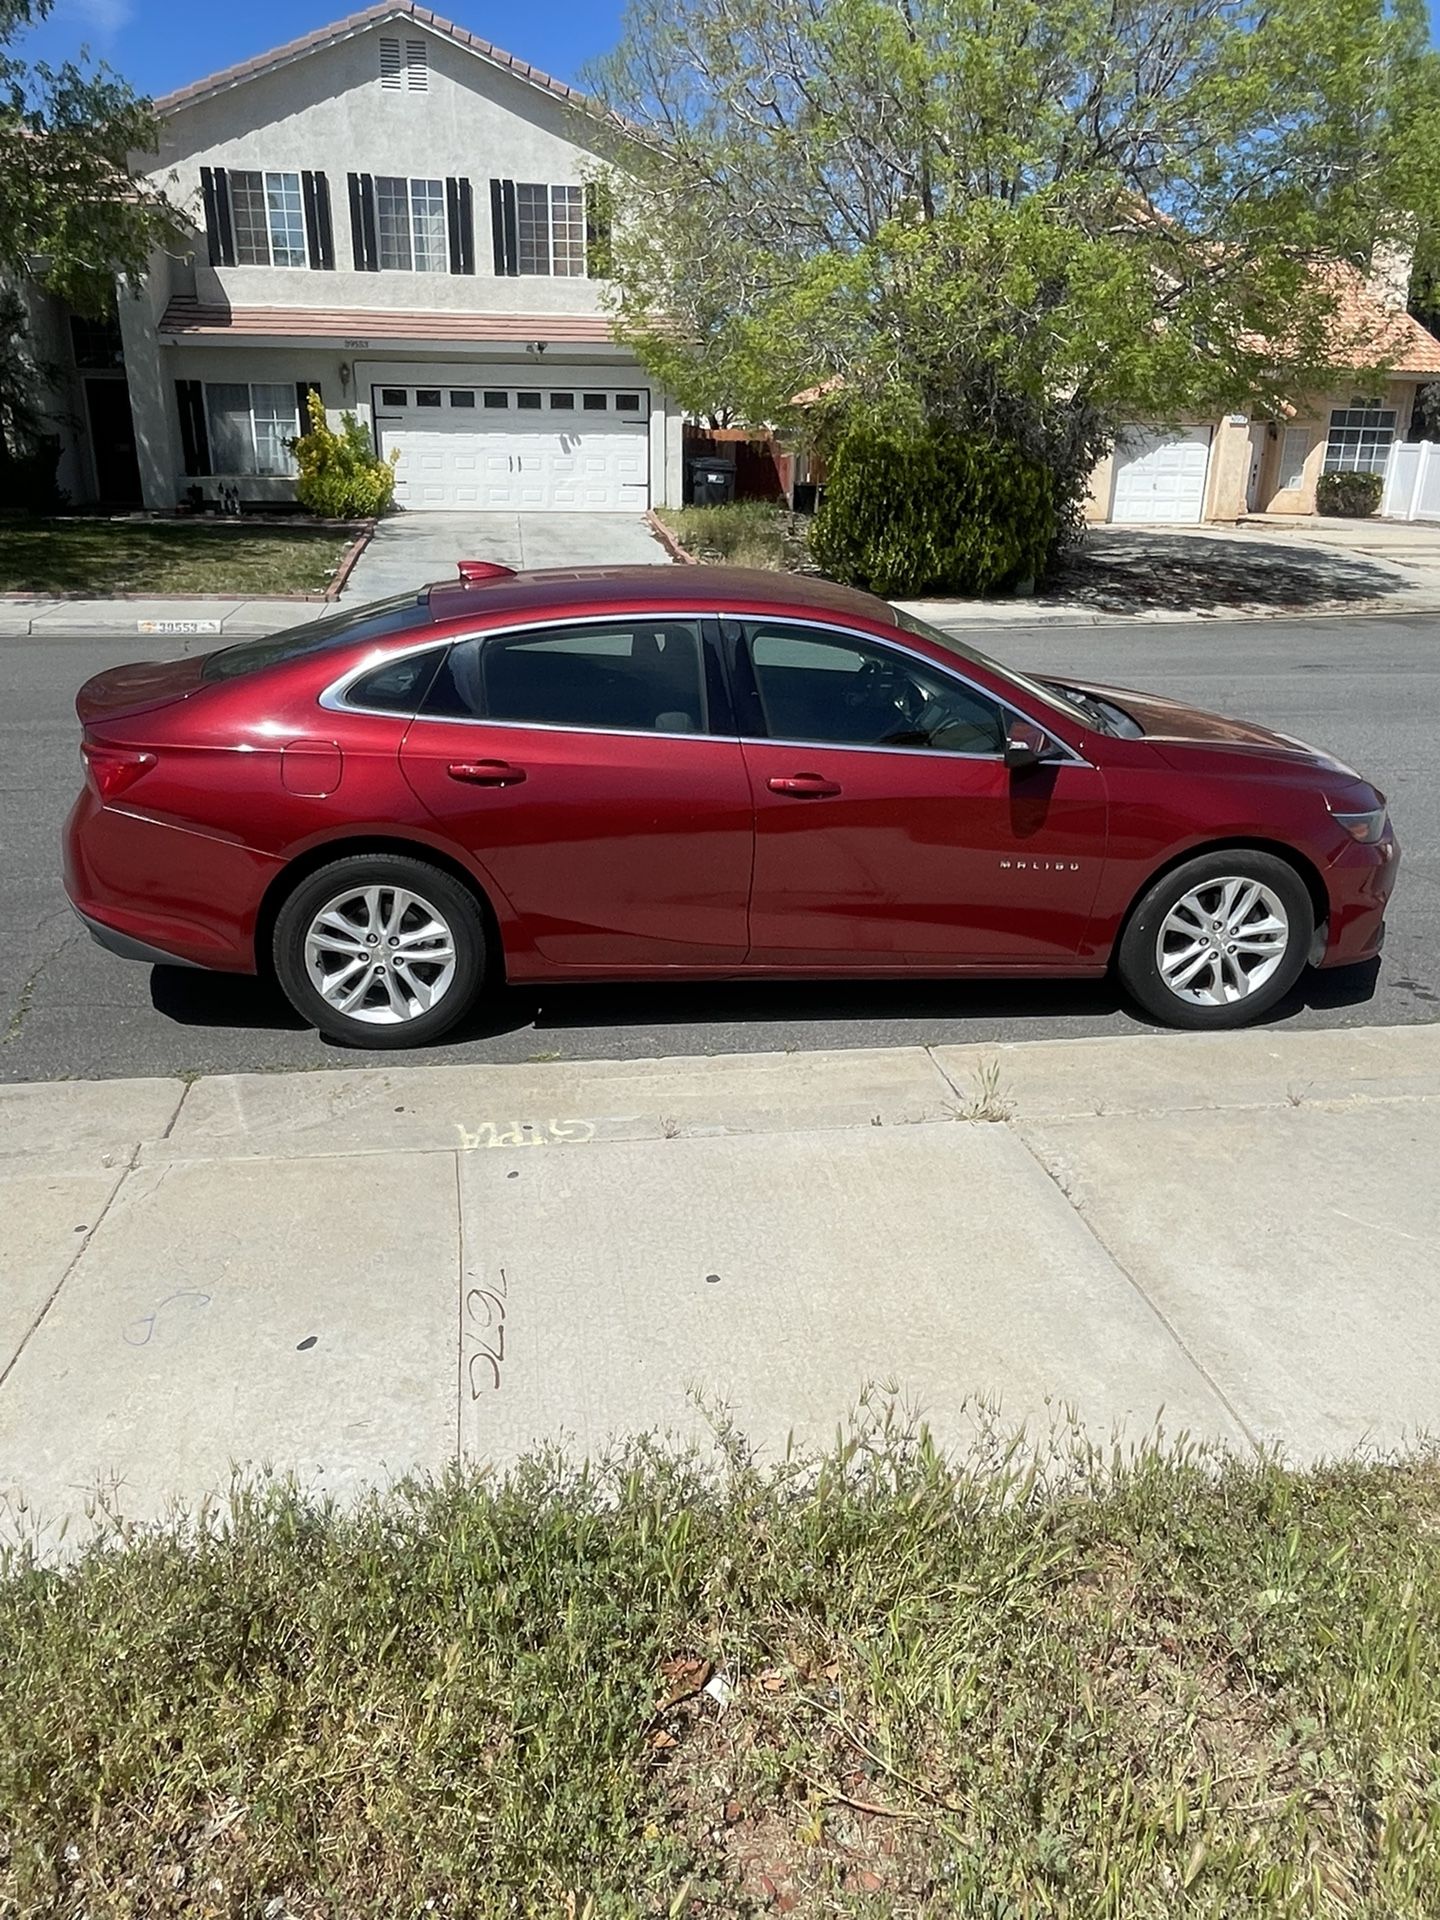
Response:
column 1224, row 468
column 394, row 213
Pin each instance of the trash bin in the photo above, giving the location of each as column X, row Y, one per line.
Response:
column 712, row 481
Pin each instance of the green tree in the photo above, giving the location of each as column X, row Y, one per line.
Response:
column 1030, row 218
column 72, row 218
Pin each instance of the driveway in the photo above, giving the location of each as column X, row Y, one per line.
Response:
column 409, row 550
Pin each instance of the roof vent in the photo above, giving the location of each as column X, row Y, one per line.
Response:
column 472, row 572
column 403, row 66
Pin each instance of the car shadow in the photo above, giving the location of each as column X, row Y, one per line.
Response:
column 193, row 998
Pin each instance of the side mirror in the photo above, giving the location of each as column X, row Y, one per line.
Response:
column 1026, row 745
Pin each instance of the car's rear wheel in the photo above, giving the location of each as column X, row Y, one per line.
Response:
column 1218, row 941
column 380, row 950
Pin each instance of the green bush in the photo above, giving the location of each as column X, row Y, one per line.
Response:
column 935, row 512
column 1355, row 494
column 341, row 475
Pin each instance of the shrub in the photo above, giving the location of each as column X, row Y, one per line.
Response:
column 27, row 480
column 933, row 512
column 1357, row 494
column 341, row 475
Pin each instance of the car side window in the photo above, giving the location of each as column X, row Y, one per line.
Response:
column 396, row 686
column 632, row 676
column 836, row 691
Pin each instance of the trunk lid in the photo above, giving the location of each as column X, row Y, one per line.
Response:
column 120, row 692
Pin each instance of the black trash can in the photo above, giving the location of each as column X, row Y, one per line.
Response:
column 712, row 480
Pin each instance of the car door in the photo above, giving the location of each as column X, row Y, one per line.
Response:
column 590, row 771
column 888, row 828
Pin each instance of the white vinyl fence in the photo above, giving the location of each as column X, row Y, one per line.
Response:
column 1412, row 481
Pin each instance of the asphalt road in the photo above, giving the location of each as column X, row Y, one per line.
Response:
column 1368, row 690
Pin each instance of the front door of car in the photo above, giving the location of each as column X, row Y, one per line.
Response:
column 591, row 774
column 889, row 829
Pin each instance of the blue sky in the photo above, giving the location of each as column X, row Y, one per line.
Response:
column 161, row 44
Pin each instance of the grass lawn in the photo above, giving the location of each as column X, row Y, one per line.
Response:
column 102, row 557
column 747, row 533
column 878, row 1686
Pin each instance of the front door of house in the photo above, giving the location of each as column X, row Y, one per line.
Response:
column 112, row 435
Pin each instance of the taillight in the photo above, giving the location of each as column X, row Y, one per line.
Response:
column 112, row 771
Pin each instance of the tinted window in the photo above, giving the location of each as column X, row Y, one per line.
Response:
column 527, row 399
column 338, row 630
column 427, row 396
column 847, row 693
column 595, row 403
column 496, row 399
column 399, row 685
column 646, row 678
column 462, row 399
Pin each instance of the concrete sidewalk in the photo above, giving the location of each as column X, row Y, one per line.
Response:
column 154, row 621
column 352, row 1274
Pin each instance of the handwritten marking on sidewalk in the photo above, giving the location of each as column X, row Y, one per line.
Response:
column 525, row 1133
column 489, row 1349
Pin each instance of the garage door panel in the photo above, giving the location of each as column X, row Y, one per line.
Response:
column 1160, row 477
column 514, row 456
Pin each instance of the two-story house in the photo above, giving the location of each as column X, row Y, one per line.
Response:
column 395, row 213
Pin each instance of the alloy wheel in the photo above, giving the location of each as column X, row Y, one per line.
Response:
column 380, row 954
column 1222, row 941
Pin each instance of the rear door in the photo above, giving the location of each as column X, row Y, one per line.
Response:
column 592, row 773
column 888, row 828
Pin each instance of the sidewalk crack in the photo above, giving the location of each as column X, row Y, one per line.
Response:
column 1142, row 1294
column 75, row 1259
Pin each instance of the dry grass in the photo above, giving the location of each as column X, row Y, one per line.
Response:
column 104, row 557
column 747, row 533
column 1132, row 1688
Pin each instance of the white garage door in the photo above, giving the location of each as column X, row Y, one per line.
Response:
column 531, row 449
column 1160, row 476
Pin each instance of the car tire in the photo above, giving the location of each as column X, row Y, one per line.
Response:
column 1218, row 942
column 424, row 929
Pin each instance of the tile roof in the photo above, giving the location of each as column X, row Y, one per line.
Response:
column 189, row 319
column 356, row 23
column 1367, row 330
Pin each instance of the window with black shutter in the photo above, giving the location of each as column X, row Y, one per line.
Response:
column 194, row 438
column 460, row 219
column 503, row 227
column 219, row 226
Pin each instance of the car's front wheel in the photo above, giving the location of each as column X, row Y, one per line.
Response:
column 380, row 950
column 1218, row 941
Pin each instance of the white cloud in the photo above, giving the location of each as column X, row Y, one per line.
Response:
column 100, row 20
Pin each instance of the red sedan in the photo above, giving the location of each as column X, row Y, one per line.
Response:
column 692, row 773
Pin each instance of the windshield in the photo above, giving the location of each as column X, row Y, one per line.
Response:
column 337, row 629
column 1049, row 695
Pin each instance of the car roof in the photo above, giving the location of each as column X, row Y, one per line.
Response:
column 688, row 588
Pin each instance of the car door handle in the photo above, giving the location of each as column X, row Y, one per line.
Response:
column 486, row 773
column 804, row 786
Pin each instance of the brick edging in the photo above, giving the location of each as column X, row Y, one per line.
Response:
column 347, row 566
column 667, row 540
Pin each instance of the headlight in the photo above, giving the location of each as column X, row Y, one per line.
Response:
column 1367, row 828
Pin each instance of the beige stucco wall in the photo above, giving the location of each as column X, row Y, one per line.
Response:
column 1230, row 455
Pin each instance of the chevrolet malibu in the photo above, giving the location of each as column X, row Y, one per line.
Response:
column 693, row 773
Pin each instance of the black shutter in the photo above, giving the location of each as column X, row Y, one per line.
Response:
column 497, row 224
column 303, row 391
column 219, row 228
column 362, row 223
column 460, row 213
column 597, row 232
column 319, row 230
column 194, row 440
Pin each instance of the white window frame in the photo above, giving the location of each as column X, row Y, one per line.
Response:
column 277, row 218
column 550, row 224
column 267, row 422
column 427, row 226
column 1359, row 437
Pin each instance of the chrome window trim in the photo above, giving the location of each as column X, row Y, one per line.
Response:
column 332, row 697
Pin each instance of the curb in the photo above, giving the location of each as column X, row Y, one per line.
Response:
column 667, row 540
